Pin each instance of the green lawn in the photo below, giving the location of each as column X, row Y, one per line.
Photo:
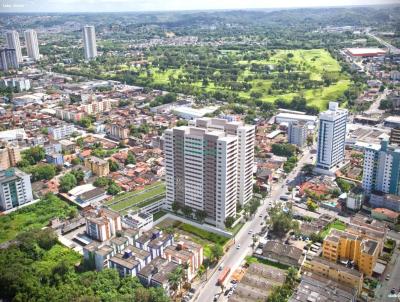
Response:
column 148, row 195
column 158, row 215
column 215, row 238
column 251, row 259
column 33, row 216
column 236, row 228
column 337, row 224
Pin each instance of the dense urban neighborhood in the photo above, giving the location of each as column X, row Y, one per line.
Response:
column 201, row 156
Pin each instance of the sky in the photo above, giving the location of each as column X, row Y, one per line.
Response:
column 167, row 5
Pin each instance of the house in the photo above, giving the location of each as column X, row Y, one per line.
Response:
column 55, row 158
column 154, row 241
column 282, row 253
column 385, row 214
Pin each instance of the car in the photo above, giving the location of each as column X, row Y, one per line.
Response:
column 221, row 267
column 251, row 231
column 260, row 215
column 216, row 297
column 387, row 277
column 238, row 246
column 393, row 291
column 262, row 222
column 226, row 292
column 233, row 281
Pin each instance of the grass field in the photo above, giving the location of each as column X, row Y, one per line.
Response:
column 251, row 259
column 33, row 216
column 337, row 224
column 145, row 196
column 314, row 61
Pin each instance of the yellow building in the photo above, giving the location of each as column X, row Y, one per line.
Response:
column 344, row 246
column 335, row 272
column 9, row 157
column 97, row 165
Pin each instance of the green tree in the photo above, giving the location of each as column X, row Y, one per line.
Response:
column 113, row 165
column 34, row 155
column 67, row 182
column 311, row 205
column 201, row 215
column 229, row 221
column 101, row 182
column 113, row 189
column 187, row 211
column 79, row 175
column 130, row 159
column 216, row 252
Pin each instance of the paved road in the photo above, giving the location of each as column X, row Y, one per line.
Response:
column 374, row 109
column 391, row 48
column 234, row 257
column 383, row 294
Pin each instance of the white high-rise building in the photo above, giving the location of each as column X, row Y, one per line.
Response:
column 209, row 167
column 8, row 59
column 381, row 168
column 15, row 188
column 89, row 42
column 12, row 38
column 32, row 45
column 297, row 133
column 331, row 137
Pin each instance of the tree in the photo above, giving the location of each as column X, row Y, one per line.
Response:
column 113, row 165
column 175, row 278
column 101, row 182
column 130, row 159
column 175, row 207
column 67, row 182
column 79, row 175
column 344, row 185
column 308, row 169
column 310, row 140
column 76, row 161
column 201, row 215
column 285, row 149
column 216, row 252
column 34, row 155
column 311, row 205
column 181, row 123
column 282, row 220
column 41, row 172
column 187, row 211
column 113, row 189
column 229, row 221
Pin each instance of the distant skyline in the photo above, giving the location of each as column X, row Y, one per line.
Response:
column 169, row 5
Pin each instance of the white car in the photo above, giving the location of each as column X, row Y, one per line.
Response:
column 238, row 246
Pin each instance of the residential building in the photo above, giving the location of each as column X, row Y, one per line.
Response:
column 69, row 115
column 395, row 136
column 60, row 132
column 355, row 199
column 282, row 253
column 20, row 83
column 118, row 131
column 15, row 188
column 382, row 168
column 314, row 287
column 345, row 246
column 32, row 45
column 138, row 220
column 388, row 201
column 55, row 158
column 103, row 224
column 67, row 145
column 89, row 42
column 336, row 272
column 331, row 137
column 209, row 167
column 188, row 254
column 98, row 166
column 12, row 39
column 97, row 107
column 9, row 156
column 130, row 261
column 297, row 134
column 287, row 117
column 8, row 59
column 385, row 215
column 155, row 242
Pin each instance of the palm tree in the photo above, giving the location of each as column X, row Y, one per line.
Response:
column 175, row 278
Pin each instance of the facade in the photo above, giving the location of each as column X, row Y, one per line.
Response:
column 382, row 168
column 387, row 201
column 97, row 107
column 385, row 215
column 118, row 131
column 276, row 251
column 9, row 157
column 98, row 166
column 395, row 136
column 297, row 134
column 331, row 137
column 103, row 225
column 12, row 38
column 32, row 45
column 15, row 188
column 344, row 246
column 155, row 242
column 55, row 158
column 8, row 59
column 69, row 115
column 62, row 131
column 89, row 42
column 209, row 167
column 20, row 83
column 335, row 272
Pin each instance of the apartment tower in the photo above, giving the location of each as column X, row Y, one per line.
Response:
column 12, row 38
column 32, row 45
column 89, row 42
column 331, row 137
column 209, row 167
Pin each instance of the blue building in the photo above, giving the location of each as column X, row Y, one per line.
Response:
column 55, row 158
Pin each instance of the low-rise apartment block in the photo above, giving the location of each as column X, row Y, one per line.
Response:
column 98, row 166
column 9, row 156
column 103, row 225
column 62, row 131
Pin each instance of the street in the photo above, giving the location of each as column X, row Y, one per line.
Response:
column 393, row 269
column 234, row 257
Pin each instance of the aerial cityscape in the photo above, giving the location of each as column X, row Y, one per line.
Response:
column 200, row 151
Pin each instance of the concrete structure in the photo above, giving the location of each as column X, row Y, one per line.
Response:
column 209, row 167
column 98, row 166
column 103, row 224
column 96, row 107
column 55, row 158
column 32, row 45
column 285, row 117
column 345, row 246
column 392, row 122
column 331, row 137
column 8, row 59
column 9, row 156
column 155, row 242
column 12, row 39
column 365, row 52
column 189, row 113
column 138, row 220
column 336, row 272
column 20, row 83
column 89, row 42
column 62, row 131
column 282, row 253
column 13, row 135
column 387, row 201
column 69, row 115
column 15, row 188
column 385, row 214
column 395, row 136
column 118, row 131
column 382, row 168
column 355, row 199
column 297, row 133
